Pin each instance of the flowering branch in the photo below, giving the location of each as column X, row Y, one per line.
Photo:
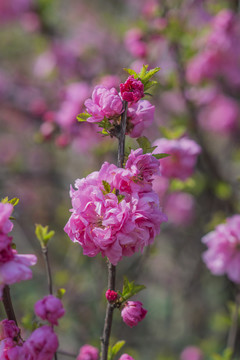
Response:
column 111, row 268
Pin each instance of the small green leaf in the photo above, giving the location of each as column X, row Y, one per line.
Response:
column 130, row 289
column 145, row 144
column 83, row 117
column 43, row 235
column 13, row 201
column 106, row 186
column 60, row 293
column 120, row 198
column 117, row 347
column 13, row 246
column 131, row 72
column 160, row 156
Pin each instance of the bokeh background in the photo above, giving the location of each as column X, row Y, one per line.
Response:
column 53, row 53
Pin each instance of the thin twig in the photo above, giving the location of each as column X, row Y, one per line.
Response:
column 234, row 326
column 66, row 353
column 111, row 268
column 8, row 306
column 49, row 274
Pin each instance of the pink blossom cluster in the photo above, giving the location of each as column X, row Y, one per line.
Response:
column 88, row 352
column 49, row 308
column 107, row 103
column 121, row 217
column 13, row 267
column 41, row 345
column 220, row 54
column 133, row 312
column 223, row 253
column 111, row 295
column 183, row 157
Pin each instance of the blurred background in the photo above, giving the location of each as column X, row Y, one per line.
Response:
column 53, row 53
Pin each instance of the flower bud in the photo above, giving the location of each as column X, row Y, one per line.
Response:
column 111, row 295
column 133, row 312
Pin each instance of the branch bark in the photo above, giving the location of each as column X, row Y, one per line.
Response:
column 111, row 268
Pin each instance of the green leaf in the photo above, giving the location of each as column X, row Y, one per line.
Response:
column 60, row 293
column 13, row 201
column 117, row 347
column 173, row 134
column 131, row 72
column 227, row 355
column 107, row 187
column 160, row 156
column 83, row 116
column 43, row 234
column 145, row 144
column 130, row 289
column 120, row 198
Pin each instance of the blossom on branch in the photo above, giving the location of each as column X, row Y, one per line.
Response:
column 132, row 90
column 49, row 308
column 88, row 352
column 133, row 312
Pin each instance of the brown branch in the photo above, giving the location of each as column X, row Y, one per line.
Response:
column 8, row 306
column 49, row 274
column 111, row 268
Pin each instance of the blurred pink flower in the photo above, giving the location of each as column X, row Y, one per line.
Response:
column 182, row 160
column 133, row 312
column 135, row 44
column 191, row 353
column 179, row 208
column 223, row 254
column 220, row 115
column 49, row 308
column 126, row 357
column 88, row 352
column 5, row 224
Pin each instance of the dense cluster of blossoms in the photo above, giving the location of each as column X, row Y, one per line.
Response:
column 223, row 254
column 115, row 211
column 41, row 345
column 13, row 267
column 108, row 104
column 133, row 312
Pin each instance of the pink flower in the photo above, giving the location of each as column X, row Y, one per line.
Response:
column 220, row 115
column 88, row 352
column 179, row 208
column 5, row 212
column 126, row 357
column 183, row 157
column 191, row 353
column 5, row 346
column 16, row 269
column 111, row 295
column 132, row 90
column 133, row 312
column 6, row 252
column 142, row 166
column 223, row 254
column 140, row 116
column 8, row 329
column 116, row 227
column 49, row 308
column 104, row 103
column 41, row 345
